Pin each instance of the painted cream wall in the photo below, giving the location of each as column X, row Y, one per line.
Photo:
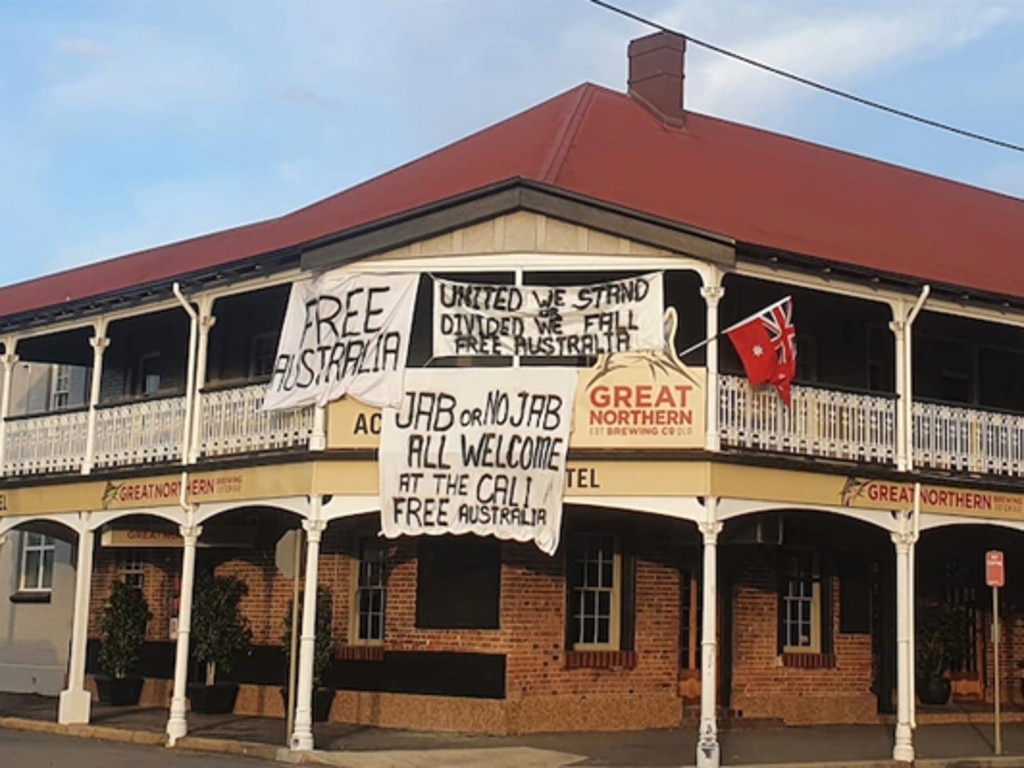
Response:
column 34, row 637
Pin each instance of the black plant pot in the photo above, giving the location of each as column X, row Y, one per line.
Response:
column 322, row 700
column 119, row 691
column 216, row 699
column 934, row 690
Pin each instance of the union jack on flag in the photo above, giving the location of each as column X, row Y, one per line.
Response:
column 778, row 321
column 770, row 329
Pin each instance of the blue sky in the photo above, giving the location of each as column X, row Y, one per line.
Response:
column 129, row 123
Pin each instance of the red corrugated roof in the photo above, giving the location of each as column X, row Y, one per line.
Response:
column 752, row 185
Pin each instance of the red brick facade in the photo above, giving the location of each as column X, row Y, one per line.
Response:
column 546, row 689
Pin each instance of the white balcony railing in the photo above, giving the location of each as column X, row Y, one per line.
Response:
column 140, row 433
column 54, row 442
column 819, row 422
column 233, row 421
column 151, row 431
column 953, row 438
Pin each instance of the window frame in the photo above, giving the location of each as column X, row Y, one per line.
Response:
column 615, row 602
column 356, row 614
column 60, row 387
column 44, row 544
column 255, row 341
column 813, row 578
column 143, row 378
column 131, row 563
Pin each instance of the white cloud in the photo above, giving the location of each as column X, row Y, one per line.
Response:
column 152, row 76
column 85, row 47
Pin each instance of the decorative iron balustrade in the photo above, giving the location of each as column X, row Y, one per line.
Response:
column 54, row 442
column 233, row 421
column 144, row 432
column 955, row 438
column 819, row 422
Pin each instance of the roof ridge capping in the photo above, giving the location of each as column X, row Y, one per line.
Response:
column 657, row 68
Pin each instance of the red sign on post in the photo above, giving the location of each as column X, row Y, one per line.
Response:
column 994, row 576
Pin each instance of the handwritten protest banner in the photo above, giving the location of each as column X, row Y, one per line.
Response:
column 469, row 454
column 548, row 321
column 344, row 334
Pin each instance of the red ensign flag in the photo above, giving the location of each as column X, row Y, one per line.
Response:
column 766, row 343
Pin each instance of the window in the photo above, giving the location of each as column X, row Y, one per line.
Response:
column 37, row 563
column 801, row 604
column 149, row 374
column 132, row 568
column 60, row 391
column 458, row 582
column 690, row 614
column 262, row 355
column 594, row 581
column 371, row 586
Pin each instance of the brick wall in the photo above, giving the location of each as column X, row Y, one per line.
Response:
column 159, row 586
column 764, row 688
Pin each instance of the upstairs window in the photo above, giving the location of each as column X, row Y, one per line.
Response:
column 60, row 391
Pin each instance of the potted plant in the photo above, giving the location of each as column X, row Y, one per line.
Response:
column 122, row 633
column 943, row 631
column 323, row 654
column 219, row 633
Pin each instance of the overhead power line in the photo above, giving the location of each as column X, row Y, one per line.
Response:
column 812, row 83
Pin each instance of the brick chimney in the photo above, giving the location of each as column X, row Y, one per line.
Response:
column 656, row 70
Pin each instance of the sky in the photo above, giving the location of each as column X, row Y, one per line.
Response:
column 125, row 124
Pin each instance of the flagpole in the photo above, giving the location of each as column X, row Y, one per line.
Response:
column 750, row 317
column 747, row 319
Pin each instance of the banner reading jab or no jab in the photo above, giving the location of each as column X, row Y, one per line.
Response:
column 548, row 321
column 464, row 454
column 344, row 334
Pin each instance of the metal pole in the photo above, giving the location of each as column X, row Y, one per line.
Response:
column 293, row 660
column 995, row 666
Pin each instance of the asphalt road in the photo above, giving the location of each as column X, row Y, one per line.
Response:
column 37, row 750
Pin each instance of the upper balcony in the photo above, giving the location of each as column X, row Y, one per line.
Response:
column 231, row 421
column 965, row 417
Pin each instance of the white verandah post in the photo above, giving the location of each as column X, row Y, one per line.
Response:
column 75, row 702
column 10, row 359
column 713, row 291
column 177, row 723
column 302, row 737
column 708, row 751
column 99, row 343
column 903, row 748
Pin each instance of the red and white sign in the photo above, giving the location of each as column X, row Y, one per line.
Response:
column 994, row 573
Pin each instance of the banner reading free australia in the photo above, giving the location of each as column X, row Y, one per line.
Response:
column 344, row 334
column 548, row 321
column 481, row 455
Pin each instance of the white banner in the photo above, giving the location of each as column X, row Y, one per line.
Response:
column 344, row 334
column 478, row 454
column 548, row 321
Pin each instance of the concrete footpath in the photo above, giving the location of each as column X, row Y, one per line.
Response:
column 957, row 745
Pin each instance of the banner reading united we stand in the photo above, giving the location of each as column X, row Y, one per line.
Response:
column 609, row 317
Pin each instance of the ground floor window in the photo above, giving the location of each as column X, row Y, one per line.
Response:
column 458, row 582
column 801, row 604
column 37, row 562
column 371, row 585
column 689, row 620
column 594, row 584
column 132, row 568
